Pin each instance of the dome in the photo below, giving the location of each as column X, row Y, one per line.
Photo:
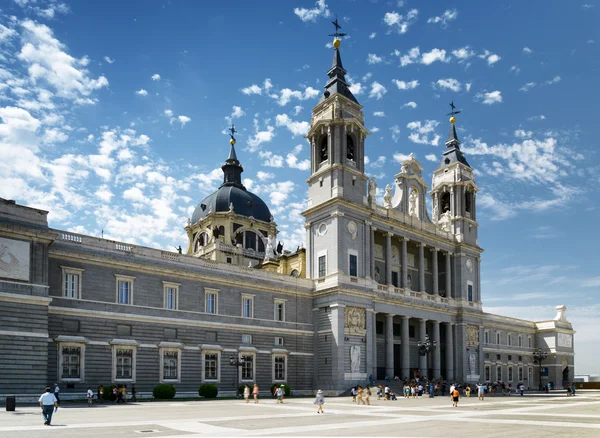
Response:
column 244, row 203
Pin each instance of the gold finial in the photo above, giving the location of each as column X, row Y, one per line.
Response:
column 336, row 43
column 452, row 119
column 232, row 141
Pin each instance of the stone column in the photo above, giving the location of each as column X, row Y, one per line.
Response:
column 449, row 351
column 434, row 259
column 405, row 348
column 422, row 335
column 404, row 261
column 448, row 275
column 370, row 328
column 452, row 206
column 337, row 353
column 373, row 335
column 482, row 358
column 421, row 267
column 437, row 357
column 388, row 258
column 372, row 234
column 367, row 242
column 389, row 345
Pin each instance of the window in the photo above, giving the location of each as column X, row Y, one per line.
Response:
column 170, row 364
column 509, row 339
column 520, row 358
column 353, row 265
column 248, row 306
column 70, row 363
column 322, row 266
column 247, row 369
column 486, row 337
column 529, row 341
column 229, row 260
column 520, row 341
column 279, row 310
column 498, row 338
column 124, row 360
column 124, row 289
column 499, row 373
column 530, row 375
column 246, row 339
column 171, row 291
column 411, row 331
column 71, row 282
column 323, row 153
column 278, row 340
column 349, row 148
column 486, row 356
column 498, row 357
column 510, row 357
column 211, row 366
column 379, row 327
column 520, row 374
column 470, row 292
column 396, row 329
column 488, row 374
column 510, row 374
column 279, row 369
column 394, row 278
column 211, row 302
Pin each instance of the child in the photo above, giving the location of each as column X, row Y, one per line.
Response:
column 280, row 393
column 246, row 393
column 455, row 396
column 319, row 401
column 90, row 396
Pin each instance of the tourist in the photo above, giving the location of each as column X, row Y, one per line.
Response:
column 115, row 394
column 133, row 393
column 319, row 400
column 359, row 396
column 280, row 394
column 353, row 393
column 48, row 403
column 406, row 391
column 255, row 393
column 392, row 395
column 368, row 396
column 468, row 391
column 509, row 388
column 56, row 393
column 480, row 391
column 413, row 391
column 90, row 395
column 100, row 394
column 455, row 397
column 379, row 391
column 431, row 393
column 386, row 393
column 246, row 393
column 452, row 388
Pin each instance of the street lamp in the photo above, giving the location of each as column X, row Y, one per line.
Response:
column 538, row 356
column 425, row 347
column 236, row 362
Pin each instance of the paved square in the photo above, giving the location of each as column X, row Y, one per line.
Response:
column 531, row 416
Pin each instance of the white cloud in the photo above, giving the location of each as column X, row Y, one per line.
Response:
column 491, row 58
column 424, row 132
column 292, row 159
column 373, row 59
column 409, row 58
column 270, row 159
column 554, row 80
column 402, row 85
column 515, row 69
column 237, row 112
column 395, row 132
column 399, row 158
column 372, row 35
column 374, row 129
column 141, row 92
column 155, row 77
column 528, row 86
column 379, row 114
column 109, row 60
column 377, row 90
column 183, row 120
column 527, row 50
column 520, row 133
column 463, row 53
column 298, row 109
column 379, row 163
column 320, row 10
column 104, row 193
column 356, row 88
column 252, row 89
column 410, row 104
column 490, row 98
column 264, row 176
column 540, row 117
column 468, row 86
column 260, row 137
column 267, row 85
column 447, row 16
column 431, row 157
column 450, row 84
column 296, row 128
column 434, row 55
column 168, row 113
column 400, row 23
column 286, row 95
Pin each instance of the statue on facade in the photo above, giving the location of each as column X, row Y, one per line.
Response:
column 409, row 282
column 435, row 212
column 387, row 198
column 355, row 358
column 279, row 248
column 372, row 192
column 412, row 203
column 377, row 277
column 270, row 248
column 445, row 222
column 188, row 222
column 231, row 207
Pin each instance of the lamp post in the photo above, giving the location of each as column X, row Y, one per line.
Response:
column 425, row 347
column 538, row 356
column 236, row 362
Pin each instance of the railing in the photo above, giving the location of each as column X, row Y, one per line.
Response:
column 122, row 247
column 382, row 288
column 70, row 237
column 169, row 256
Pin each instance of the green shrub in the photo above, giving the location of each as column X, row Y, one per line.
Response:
column 208, row 390
column 164, row 391
column 286, row 388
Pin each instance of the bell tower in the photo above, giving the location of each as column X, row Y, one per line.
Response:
column 337, row 138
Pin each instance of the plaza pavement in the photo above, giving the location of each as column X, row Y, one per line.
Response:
column 530, row 416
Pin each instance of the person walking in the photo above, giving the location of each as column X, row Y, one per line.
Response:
column 368, row 396
column 133, row 393
column 255, row 393
column 521, row 389
column 455, row 397
column 359, row 396
column 56, row 393
column 100, row 393
column 480, row 392
column 319, row 401
column 90, row 396
column 246, row 393
column 280, row 394
column 49, row 404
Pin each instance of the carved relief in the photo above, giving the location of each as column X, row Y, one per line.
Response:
column 352, row 229
column 14, row 259
column 565, row 340
column 378, row 251
column 472, row 336
column 355, row 322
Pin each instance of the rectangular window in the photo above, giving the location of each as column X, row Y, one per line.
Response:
column 322, row 266
column 499, row 373
column 353, row 265
column 470, row 292
column 379, row 327
column 211, row 303
column 394, row 279
column 529, row 341
column 247, row 306
column 71, row 362
column 278, row 340
column 124, row 363
column 520, row 341
column 248, row 367
column 520, row 374
column 279, row 373
column 510, row 374
column 246, row 339
column 396, row 329
column 488, row 374
column 279, row 310
column 211, row 365
column 124, row 291
column 498, row 338
column 71, row 282
column 170, row 365
column 498, row 357
column 509, row 339
column 520, row 358
column 171, row 298
column 486, row 337
column 411, row 331
column 510, row 357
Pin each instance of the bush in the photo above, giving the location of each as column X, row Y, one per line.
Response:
column 108, row 395
column 286, row 388
column 208, row 390
column 164, row 391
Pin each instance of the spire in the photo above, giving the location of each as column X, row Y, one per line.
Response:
column 337, row 74
column 453, row 153
column 232, row 169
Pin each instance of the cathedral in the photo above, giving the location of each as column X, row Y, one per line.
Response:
column 378, row 290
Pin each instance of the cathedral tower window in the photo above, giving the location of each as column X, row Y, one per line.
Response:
column 468, row 202
column 324, row 151
column 445, row 202
column 349, row 148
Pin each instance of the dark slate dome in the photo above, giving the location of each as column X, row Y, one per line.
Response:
column 232, row 191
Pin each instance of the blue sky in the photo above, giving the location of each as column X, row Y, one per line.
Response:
column 113, row 116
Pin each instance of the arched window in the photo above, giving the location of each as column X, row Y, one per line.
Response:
column 349, row 148
column 324, row 151
column 468, row 197
column 250, row 240
column 445, row 202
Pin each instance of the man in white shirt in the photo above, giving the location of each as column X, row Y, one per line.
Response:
column 48, row 403
column 452, row 387
column 480, row 391
column 386, row 391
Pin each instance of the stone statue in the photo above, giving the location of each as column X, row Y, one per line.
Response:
column 231, row 207
column 435, row 212
column 409, row 282
column 377, row 276
column 445, row 222
column 387, row 198
column 279, row 248
column 210, row 209
column 188, row 222
column 412, row 203
column 270, row 249
column 472, row 364
column 472, row 336
column 355, row 358
column 355, row 320
column 372, row 192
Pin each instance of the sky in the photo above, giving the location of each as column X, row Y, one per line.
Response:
column 113, row 117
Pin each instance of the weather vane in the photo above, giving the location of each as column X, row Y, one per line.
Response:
column 233, row 131
column 337, row 27
column 453, row 112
